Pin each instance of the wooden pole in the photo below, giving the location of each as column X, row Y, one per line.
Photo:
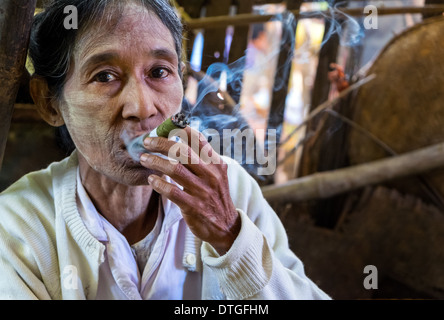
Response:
column 240, row 37
column 15, row 26
column 246, row 19
column 327, row 184
column 214, row 43
column 282, row 76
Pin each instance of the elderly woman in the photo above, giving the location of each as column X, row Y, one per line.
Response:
column 100, row 225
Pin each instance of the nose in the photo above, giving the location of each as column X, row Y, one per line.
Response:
column 139, row 101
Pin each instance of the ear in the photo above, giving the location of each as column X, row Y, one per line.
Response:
column 46, row 106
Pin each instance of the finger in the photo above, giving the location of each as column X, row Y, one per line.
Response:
column 196, row 140
column 200, row 145
column 174, row 150
column 171, row 191
column 184, row 152
column 177, row 171
column 195, row 150
column 191, row 137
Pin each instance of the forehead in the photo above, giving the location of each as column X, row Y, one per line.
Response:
column 134, row 28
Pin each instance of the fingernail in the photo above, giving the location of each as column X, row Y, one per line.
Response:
column 148, row 142
column 143, row 158
column 150, row 179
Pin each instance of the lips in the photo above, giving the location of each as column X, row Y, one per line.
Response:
column 135, row 147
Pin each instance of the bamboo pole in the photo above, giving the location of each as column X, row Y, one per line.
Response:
column 246, row 19
column 327, row 184
column 15, row 25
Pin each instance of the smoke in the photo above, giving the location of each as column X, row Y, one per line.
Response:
column 219, row 117
column 347, row 28
column 212, row 114
column 338, row 23
column 134, row 146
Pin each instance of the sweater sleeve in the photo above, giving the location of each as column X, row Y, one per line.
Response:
column 20, row 278
column 26, row 247
column 260, row 264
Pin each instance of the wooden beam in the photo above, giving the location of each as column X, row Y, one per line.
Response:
column 26, row 113
column 15, row 26
column 328, row 184
column 246, row 19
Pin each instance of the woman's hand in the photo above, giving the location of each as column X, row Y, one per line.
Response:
column 205, row 200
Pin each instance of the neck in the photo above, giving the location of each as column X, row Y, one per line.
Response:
column 132, row 210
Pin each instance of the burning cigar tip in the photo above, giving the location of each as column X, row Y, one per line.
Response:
column 137, row 145
column 178, row 121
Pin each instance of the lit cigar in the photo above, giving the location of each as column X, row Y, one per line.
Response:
column 178, row 121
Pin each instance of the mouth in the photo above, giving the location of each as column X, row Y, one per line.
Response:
column 134, row 146
column 133, row 142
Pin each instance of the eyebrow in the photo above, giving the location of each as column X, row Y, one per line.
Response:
column 164, row 53
column 100, row 58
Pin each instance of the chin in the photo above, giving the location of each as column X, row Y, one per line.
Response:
column 129, row 172
column 136, row 175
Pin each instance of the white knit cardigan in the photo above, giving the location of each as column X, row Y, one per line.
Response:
column 42, row 233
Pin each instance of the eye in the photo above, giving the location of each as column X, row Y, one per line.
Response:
column 104, row 77
column 159, row 73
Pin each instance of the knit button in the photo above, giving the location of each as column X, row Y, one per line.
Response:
column 191, row 259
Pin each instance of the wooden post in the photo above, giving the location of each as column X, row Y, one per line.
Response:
column 327, row 55
column 215, row 38
column 239, row 46
column 282, row 76
column 317, row 155
column 320, row 93
column 240, row 38
column 15, row 25
column 193, row 9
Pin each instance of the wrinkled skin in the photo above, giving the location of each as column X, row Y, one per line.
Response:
column 125, row 79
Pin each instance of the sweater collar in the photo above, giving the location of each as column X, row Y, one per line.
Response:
column 65, row 183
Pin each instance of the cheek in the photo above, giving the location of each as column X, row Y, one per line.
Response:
column 176, row 98
column 88, row 122
column 84, row 108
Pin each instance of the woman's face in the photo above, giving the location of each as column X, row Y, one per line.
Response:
column 124, row 81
